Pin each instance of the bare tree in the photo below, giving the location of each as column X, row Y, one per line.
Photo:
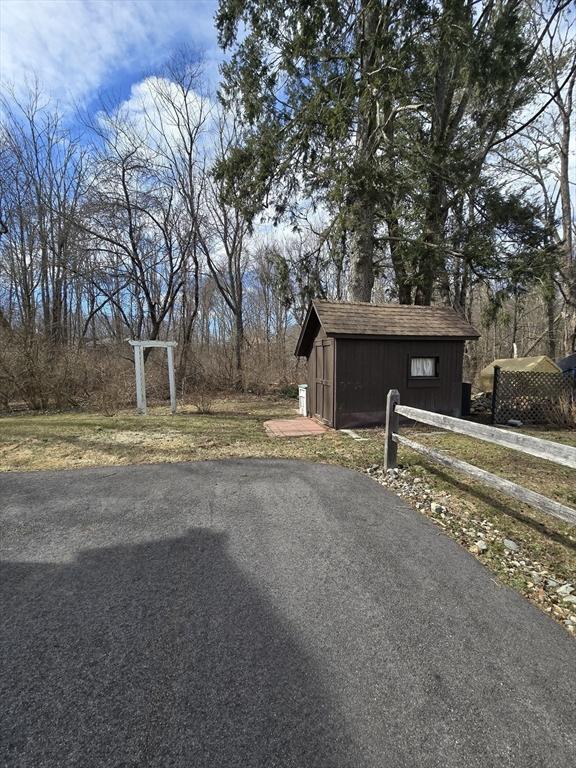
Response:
column 43, row 177
column 180, row 119
column 224, row 241
column 540, row 154
column 142, row 215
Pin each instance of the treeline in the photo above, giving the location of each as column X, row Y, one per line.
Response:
column 413, row 152
column 123, row 232
column 435, row 136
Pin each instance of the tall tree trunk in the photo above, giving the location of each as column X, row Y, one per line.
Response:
column 549, row 294
column 362, row 192
column 362, row 256
column 515, row 324
column 567, row 222
column 432, row 259
column 401, row 275
column 551, row 323
column 238, row 349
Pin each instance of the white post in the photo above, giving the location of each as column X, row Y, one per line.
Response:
column 139, row 347
column 142, row 378
column 139, row 405
column 171, row 379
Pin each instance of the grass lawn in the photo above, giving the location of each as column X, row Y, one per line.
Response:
column 235, row 429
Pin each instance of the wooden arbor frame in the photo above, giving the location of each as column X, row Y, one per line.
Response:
column 139, row 347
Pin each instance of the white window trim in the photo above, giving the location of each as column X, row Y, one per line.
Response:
column 423, row 362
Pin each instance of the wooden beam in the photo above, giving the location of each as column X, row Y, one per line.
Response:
column 171, row 379
column 507, row 487
column 140, row 380
column 390, row 448
column 143, row 380
column 146, row 343
column 535, row 446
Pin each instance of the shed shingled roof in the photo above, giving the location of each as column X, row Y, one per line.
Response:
column 339, row 318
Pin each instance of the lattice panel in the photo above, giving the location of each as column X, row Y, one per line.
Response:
column 532, row 397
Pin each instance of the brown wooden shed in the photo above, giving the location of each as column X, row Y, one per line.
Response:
column 358, row 352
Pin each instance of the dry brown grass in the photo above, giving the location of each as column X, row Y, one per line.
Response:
column 234, row 428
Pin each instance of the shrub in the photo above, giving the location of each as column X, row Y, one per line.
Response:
column 563, row 411
column 41, row 374
column 112, row 385
column 289, row 390
column 203, row 400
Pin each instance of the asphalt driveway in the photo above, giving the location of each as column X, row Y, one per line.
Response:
column 261, row 614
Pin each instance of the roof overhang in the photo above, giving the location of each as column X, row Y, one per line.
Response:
column 399, row 337
column 314, row 320
column 304, row 345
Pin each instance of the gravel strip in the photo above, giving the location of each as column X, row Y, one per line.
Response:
column 486, row 542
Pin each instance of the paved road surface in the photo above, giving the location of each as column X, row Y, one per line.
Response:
column 261, row 614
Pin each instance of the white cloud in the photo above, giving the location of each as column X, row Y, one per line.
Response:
column 78, row 47
column 150, row 117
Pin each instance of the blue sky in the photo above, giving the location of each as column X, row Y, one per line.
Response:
column 80, row 48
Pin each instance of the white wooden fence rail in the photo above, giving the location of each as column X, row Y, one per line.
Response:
column 534, row 446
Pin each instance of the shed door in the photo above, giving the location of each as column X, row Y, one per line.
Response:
column 324, row 379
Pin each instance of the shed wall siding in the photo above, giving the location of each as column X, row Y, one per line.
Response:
column 311, row 371
column 368, row 369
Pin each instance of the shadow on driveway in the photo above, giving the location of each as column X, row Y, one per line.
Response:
column 156, row 654
column 262, row 614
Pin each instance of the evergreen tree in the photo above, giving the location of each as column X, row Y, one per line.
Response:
column 384, row 112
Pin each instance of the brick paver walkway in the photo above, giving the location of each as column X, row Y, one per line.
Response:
column 299, row 427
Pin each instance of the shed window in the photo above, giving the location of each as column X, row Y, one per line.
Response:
column 424, row 367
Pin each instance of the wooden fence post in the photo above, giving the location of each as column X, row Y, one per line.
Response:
column 495, row 393
column 392, row 422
